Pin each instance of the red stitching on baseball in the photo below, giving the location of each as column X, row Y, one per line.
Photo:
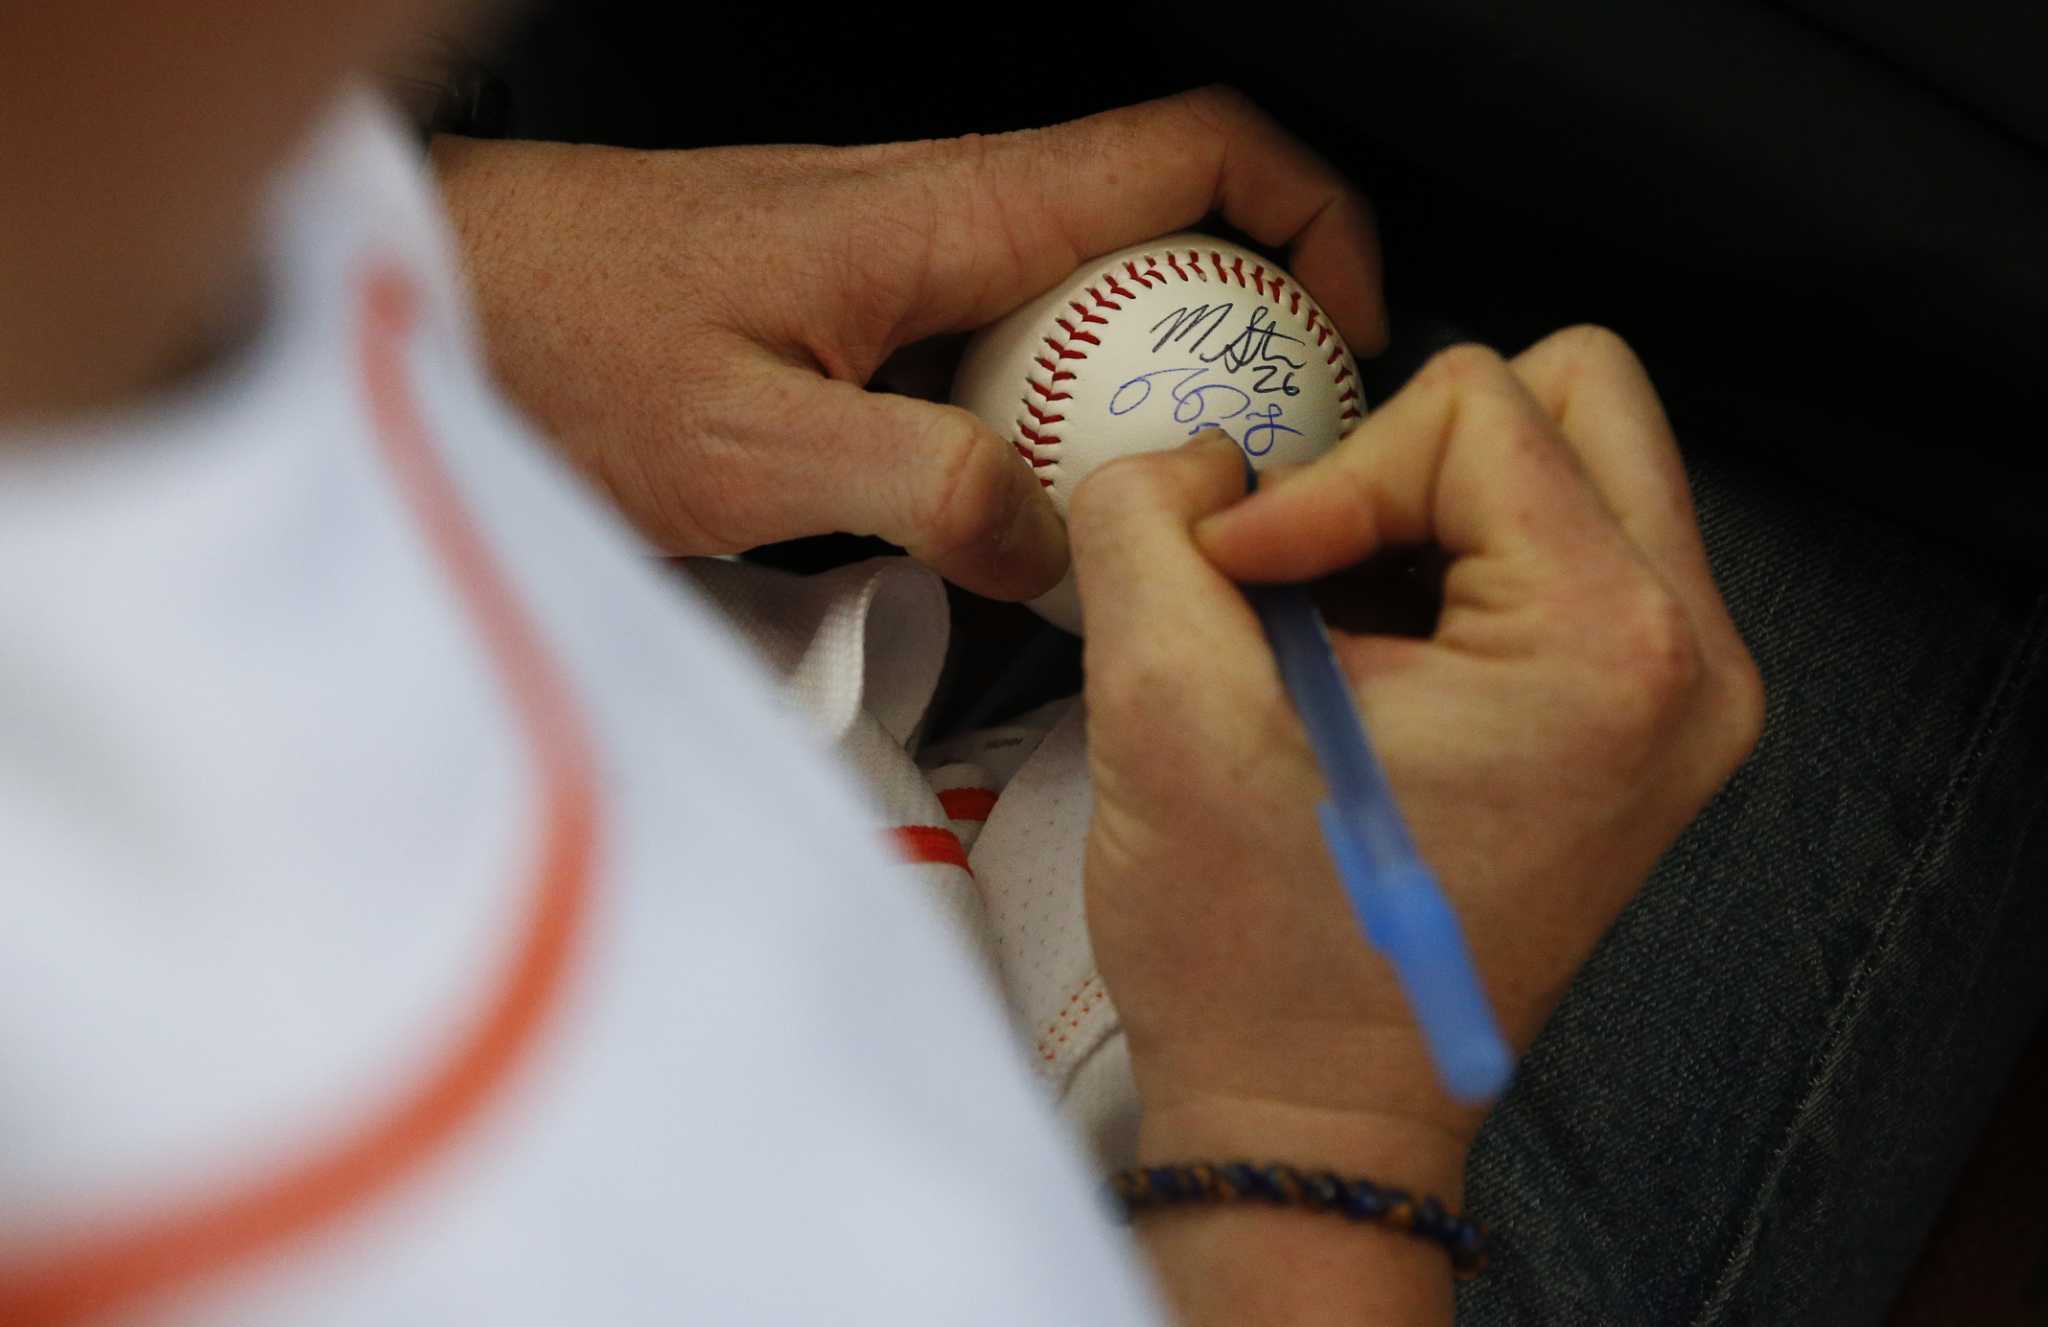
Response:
column 1078, row 333
column 1269, row 286
column 1039, row 440
column 1036, row 437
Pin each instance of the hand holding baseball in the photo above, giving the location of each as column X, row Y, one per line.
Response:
column 1582, row 695
column 696, row 328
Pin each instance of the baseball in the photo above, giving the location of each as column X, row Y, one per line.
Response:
column 1143, row 349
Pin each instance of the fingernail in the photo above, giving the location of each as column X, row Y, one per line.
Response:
column 1034, row 548
column 1217, row 439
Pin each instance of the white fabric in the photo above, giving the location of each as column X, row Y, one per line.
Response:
column 866, row 641
column 268, row 827
column 1027, row 864
column 868, row 637
column 859, row 650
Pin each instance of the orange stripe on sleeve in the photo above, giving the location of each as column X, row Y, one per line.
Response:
column 136, row 1257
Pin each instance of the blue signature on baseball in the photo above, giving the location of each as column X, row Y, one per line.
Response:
column 1203, row 405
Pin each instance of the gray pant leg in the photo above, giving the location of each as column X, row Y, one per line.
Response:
column 1753, row 1101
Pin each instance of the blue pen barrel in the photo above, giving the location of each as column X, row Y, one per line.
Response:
column 1408, row 919
column 1404, row 915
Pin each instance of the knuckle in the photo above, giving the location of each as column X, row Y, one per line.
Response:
column 1524, row 438
column 979, row 159
column 1462, row 365
column 1591, row 342
column 1119, row 486
column 1744, row 707
column 970, row 148
column 972, row 495
column 1220, row 103
column 1137, row 688
column 1657, row 661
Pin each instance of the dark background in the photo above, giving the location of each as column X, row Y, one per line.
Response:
column 1822, row 223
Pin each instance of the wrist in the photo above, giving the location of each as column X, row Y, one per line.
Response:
column 1302, row 1268
column 1368, row 1097
column 1421, row 1157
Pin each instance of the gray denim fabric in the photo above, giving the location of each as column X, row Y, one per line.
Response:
column 1750, row 1106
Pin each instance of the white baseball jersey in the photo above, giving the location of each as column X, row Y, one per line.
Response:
column 418, row 911
column 993, row 824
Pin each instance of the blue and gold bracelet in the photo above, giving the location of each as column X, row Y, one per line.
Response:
column 1148, row 1188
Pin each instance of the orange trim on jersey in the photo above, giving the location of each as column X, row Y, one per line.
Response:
column 967, row 803
column 132, row 1259
column 930, row 843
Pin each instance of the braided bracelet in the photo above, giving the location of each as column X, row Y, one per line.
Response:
column 1144, row 1188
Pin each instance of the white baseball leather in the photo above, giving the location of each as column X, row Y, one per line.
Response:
column 1140, row 350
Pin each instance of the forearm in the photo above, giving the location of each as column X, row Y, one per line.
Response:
column 1245, row 1262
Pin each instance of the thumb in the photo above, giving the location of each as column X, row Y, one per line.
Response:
column 941, row 483
column 1144, row 585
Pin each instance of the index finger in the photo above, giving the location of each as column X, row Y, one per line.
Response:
column 1079, row 190
column 1608, row 412
column 1462, row 457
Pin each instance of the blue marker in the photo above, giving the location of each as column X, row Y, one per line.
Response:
column 1396, row 898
